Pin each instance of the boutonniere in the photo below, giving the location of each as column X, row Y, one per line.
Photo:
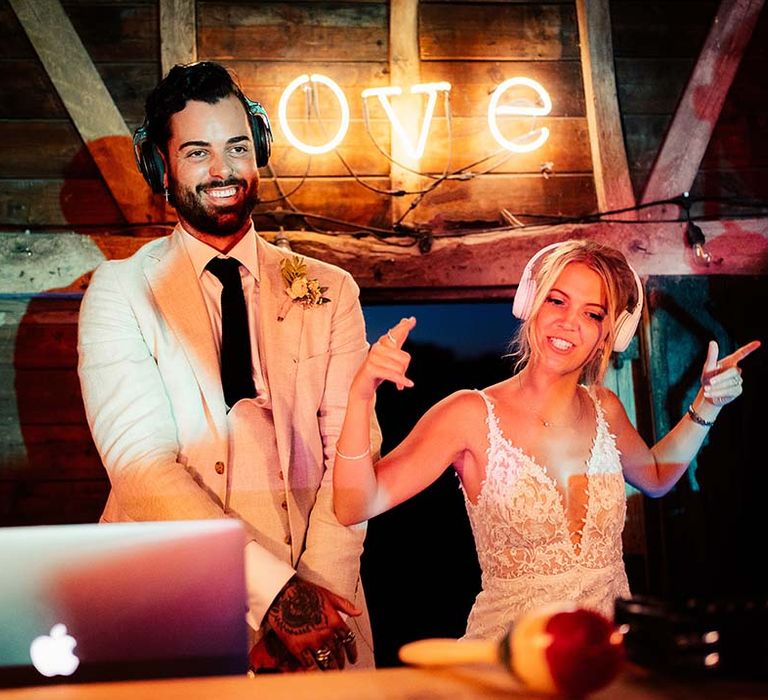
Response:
column 300, row 288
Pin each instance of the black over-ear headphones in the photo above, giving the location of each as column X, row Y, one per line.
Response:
column 150, row 160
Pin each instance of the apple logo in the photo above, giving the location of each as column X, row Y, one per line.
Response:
column 52, row 654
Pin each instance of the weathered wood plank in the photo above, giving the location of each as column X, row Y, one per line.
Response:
column 660, row 28
column 357, row 149
column 566, row 149
column 497, row 32
column 266, row 82
column 270, row 31
column 474, row 81
column 26, row 91
column 405, row 70
column 85, row 202
column 688, row 135
column 88, row 102
column 340, row 198
column 111, row 31
column 491, row 261
column 609, row 159
column 651, row 86
column 178, row 33
column 44, row 149
column 39, row 202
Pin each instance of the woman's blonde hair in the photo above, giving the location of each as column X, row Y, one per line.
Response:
column 621, row 294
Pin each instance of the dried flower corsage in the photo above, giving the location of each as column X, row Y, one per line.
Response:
column 298, row 286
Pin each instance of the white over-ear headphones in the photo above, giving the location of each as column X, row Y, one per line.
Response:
column 626, row 323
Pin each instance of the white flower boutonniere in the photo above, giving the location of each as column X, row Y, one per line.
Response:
column 299, row 288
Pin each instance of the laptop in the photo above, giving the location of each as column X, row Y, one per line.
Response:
column 120, row 601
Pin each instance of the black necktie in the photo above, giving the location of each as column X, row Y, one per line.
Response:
column 236, row 369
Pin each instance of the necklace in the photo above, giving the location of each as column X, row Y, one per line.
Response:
column 548, row 423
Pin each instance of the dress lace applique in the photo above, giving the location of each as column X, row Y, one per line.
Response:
column 526, row 552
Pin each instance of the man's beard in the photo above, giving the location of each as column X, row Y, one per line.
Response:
column 218, row 221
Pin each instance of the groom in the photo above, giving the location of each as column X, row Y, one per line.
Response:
column 215, row 369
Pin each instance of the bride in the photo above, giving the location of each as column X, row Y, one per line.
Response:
column 542, row 456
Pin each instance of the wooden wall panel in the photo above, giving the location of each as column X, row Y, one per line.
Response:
column 46, row 452
column 265, row 81
column 292, row 31
column 56, row 202
column 339, row 198
column 537, row 31
column 567, row 149
column 21, row 144
column 474, row 81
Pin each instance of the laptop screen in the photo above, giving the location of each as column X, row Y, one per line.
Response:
column 117, row 601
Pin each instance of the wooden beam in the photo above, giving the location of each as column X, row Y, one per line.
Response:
column 178, row 33
column 404, row 69
column 89, row 104
column 688, row 135
column 609, row 157
column 472, row 266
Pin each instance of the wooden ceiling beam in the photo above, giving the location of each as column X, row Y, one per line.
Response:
column 89, row 104
column 404, row 71
column 178, row 33
column 474, row 266
column 687, row 138
column 613, row 185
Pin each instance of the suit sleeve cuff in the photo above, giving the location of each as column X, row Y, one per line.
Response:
column 265, row 575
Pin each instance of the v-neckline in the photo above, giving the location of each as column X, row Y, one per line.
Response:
column 576, row 547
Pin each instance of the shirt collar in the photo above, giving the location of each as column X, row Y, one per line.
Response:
column 201, row 253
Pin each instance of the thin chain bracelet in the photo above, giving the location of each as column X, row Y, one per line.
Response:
column 352, row 458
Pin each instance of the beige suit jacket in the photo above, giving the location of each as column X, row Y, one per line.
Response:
column 149, row 373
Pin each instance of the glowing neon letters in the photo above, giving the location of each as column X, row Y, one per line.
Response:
column 430, row 89
column 282, row 112
column 520, row 107
column 531, row 140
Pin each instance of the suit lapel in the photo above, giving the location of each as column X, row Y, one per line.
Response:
column 279, row 342
column 175, row 287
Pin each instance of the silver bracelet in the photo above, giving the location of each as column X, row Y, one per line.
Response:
column 696, row 418
column 352, row 458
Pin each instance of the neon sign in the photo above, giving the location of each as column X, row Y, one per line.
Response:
column 430, row 89
column 520, row 107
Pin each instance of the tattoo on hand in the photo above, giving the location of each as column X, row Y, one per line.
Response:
column 297, row 610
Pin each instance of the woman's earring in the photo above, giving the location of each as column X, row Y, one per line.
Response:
column 166, row 194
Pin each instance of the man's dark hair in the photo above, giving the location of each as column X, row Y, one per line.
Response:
column 205, row 81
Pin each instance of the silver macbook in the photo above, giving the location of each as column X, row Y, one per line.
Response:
column 121, row 601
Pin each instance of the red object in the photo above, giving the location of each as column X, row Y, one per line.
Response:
column 565, row 649
column 585, row 653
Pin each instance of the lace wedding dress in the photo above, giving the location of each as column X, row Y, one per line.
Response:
column 527, row 554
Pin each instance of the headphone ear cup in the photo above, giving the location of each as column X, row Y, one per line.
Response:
column 627, row 322
column 526, row 291
column 624, row 331
column 261, row 130
column 154, row 167
column 149, row 160
column 261, row 141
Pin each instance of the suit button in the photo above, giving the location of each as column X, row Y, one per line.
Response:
column 287, row 539
column 284, row 505
column 282, row 478
column 219, row 467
